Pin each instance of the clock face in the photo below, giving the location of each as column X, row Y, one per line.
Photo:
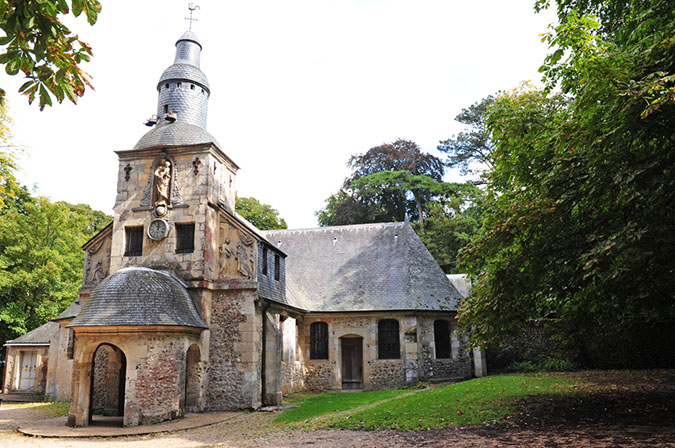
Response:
column 158, row 229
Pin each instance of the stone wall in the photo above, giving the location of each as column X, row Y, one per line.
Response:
column 101, row 379
column 235, row 347
column 60, row 368
column 417, row 357
column 386, row 373
column 458, row 366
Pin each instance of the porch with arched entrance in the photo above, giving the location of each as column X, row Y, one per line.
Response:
column 108, row 385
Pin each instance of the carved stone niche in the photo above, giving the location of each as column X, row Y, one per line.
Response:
column 237, row 252
column 162, row 187
column 97, row 262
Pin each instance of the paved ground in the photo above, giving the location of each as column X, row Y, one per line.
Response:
column 640, row 412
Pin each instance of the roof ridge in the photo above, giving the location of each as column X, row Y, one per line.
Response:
column 343, row 227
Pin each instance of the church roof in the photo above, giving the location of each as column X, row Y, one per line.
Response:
column 42, row 335
column 177, row 133
column 72, row 310
column 139, row 296
column 185, row 72
column 366, row 267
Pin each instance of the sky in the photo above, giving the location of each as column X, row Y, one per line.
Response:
column 297, row 87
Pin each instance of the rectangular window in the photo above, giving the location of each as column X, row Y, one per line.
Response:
column 185, row 238
column 134, row 246
column 318, row 340
column 277, row 267
column 388, row 342
column 264, row 261
column 442, row 338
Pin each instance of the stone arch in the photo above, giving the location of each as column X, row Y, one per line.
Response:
column 108, row 378
column 193, row 379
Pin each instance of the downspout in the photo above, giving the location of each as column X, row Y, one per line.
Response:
column 263, row 362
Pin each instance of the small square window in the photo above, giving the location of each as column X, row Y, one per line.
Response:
column 134, row 246
column 277, row 267
column 179, row 84
column 185, row 238
column 166, row 108
column 166, row 85
column 192, row 86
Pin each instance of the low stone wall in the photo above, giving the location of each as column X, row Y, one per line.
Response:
column 319, row 375
column 387, row 374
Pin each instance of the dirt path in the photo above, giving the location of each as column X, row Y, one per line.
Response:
column 638, row 412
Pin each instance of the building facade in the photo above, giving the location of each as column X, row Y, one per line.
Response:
column 185, row 306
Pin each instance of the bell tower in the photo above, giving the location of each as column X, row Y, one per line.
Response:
column 176, row 180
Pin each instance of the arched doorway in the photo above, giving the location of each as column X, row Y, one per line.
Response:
column 108, row 378
column 193, row 376
column 352, row 362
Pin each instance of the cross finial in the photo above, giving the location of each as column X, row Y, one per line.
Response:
column 192, row 7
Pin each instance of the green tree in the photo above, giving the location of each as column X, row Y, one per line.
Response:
column 357, row 202
column 261, row 215
column 470, row 150
column 41, row 260
column 581, row 200
column 39, row 45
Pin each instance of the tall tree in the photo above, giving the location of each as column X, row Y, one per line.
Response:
column 261, row 215
column 41, row 260
column 471, row 149
column 38, row 44
column 581, row 200
column 381, row 198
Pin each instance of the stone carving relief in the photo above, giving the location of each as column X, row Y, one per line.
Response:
column 97, row 262
column 162, row 188
column 237, row 252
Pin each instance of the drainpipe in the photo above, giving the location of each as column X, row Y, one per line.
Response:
column 263, row 362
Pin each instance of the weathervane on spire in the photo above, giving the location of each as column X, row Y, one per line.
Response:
column 192, row 9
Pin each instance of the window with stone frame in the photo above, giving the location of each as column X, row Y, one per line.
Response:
column 388, row 340
column 185, row 238
column 134, row 242
column 442, row 339
column 318, row 340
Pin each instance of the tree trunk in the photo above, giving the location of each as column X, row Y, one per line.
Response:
column 419, row 211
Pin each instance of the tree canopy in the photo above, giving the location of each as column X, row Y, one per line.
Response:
column 395, row 180
column 581, row 197
column 470, row 150
column 37, row 44
column 261, row 215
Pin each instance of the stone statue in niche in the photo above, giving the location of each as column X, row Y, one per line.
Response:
column 96, row 271
column 241, row 250
column 244, row 256
column 162, row 180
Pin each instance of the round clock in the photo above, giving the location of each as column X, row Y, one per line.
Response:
column 159, row 229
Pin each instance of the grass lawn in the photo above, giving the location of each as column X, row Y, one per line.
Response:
column 474, row 402
column 313, row 404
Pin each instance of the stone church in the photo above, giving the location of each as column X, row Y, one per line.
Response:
column 185, row 306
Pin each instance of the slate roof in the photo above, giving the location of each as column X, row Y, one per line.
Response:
column 42, row 335
column 139, row 296
column 72, row 310
column 176, row 133
column 366, row 267
column 184, row 72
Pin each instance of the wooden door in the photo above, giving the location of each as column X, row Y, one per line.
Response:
column 28, row 370
column 352, row 363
